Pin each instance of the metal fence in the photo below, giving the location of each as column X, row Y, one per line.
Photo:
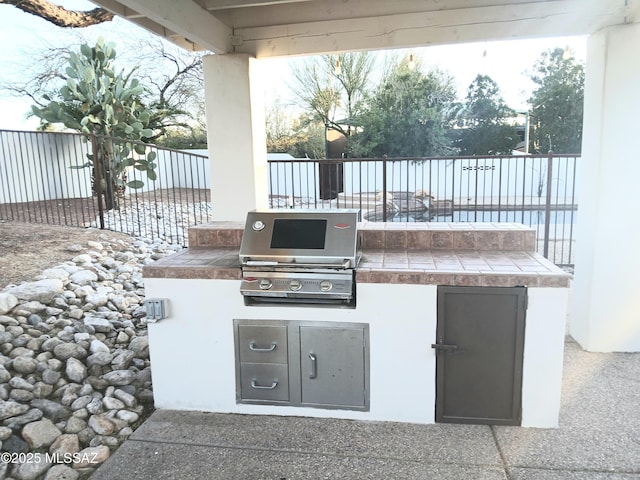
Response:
column 536, row 190
column 42, row 180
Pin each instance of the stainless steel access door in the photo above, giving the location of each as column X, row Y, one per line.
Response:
column 333, row 366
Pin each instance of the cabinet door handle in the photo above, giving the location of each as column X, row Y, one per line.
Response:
column 441, row 347
column 314, row 366
column 262, row 387
column 253, row 348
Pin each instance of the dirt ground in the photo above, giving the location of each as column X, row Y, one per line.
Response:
column 28, row 249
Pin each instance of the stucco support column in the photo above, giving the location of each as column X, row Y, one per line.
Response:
column 606, row 289
column 236, row 135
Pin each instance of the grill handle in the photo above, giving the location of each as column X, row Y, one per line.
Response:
column 253, row 348
column 344, row 265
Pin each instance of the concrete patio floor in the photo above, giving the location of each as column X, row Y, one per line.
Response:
column 598, row 439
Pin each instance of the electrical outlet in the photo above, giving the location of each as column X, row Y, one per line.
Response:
column 156, row 308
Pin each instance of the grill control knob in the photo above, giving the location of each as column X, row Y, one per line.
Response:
column 325, row 286
column 265, row 284
column 295, row 285
column 258, row 225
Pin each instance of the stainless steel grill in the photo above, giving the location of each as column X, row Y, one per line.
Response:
column 300, row 257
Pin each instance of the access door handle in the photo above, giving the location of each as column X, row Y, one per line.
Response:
column 314, row 366
column 443, row 347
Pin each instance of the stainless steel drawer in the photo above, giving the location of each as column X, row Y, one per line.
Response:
column 259, row 381
column 318, row 364
column 262, row 343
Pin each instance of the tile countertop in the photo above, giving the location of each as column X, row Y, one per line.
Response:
column 460, row 268
column 503, row 268
column 440, row 253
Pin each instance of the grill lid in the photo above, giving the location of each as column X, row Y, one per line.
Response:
column 301, row 238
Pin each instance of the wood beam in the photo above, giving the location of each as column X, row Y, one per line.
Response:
column 537, row 19
column 225, row 4
column 120, row 10
column 187, row 19
column 325, row 10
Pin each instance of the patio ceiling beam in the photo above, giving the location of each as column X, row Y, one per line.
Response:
column 198, row 28
column 224, row 4
column 494, row 22
column 120, row 10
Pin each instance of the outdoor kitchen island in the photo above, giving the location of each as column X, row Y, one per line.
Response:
column 453, row 322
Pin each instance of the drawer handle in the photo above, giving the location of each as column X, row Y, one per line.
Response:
column 253, row 348
column 262, row 387
column 314, row 366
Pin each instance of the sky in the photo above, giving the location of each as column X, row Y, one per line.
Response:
column 506, row 62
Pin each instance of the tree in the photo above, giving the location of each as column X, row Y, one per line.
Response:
column 483, row 121
column 278, row 129
column 302, row 137
column 332, row 87
column 409, row 114
column 352, row 71
column 172, row 76
column 558, row 102
column 96, row 100
column 60, row 16
column 175, row 88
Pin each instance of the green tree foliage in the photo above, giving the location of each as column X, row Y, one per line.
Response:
column 97, row 100
column 302, row 137
column 409, row 114
column 172, row 77
column 180, row 139
column 332, row 87
column 557, row 103
column 309, row 139
column 174, row 95
column 483, row 122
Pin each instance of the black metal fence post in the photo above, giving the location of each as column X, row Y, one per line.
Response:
column 547, row 206
column 384, row 188
column 97, row 179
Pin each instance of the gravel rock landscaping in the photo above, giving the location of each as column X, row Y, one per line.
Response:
column 75, row 378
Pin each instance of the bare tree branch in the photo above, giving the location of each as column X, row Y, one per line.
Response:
column 60, row 16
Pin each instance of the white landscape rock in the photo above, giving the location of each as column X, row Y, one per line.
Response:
column 7, row 302
column 61, row 472
column 92, row 457
column 111, row 403
column 83, row 258
column 10, row 409
column 127, row 416
column 57, row 272
column 98, row 346
column 119, row 377
column 83, row 277
column 41, row 433
column 30, row 470
column 101, row 425
column 41, row 291
column 75, row 370
column 98, row 323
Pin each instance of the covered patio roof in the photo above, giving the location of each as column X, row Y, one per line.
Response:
column 275, row 28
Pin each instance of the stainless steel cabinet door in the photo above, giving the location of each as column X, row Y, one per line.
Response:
column 333, row 366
